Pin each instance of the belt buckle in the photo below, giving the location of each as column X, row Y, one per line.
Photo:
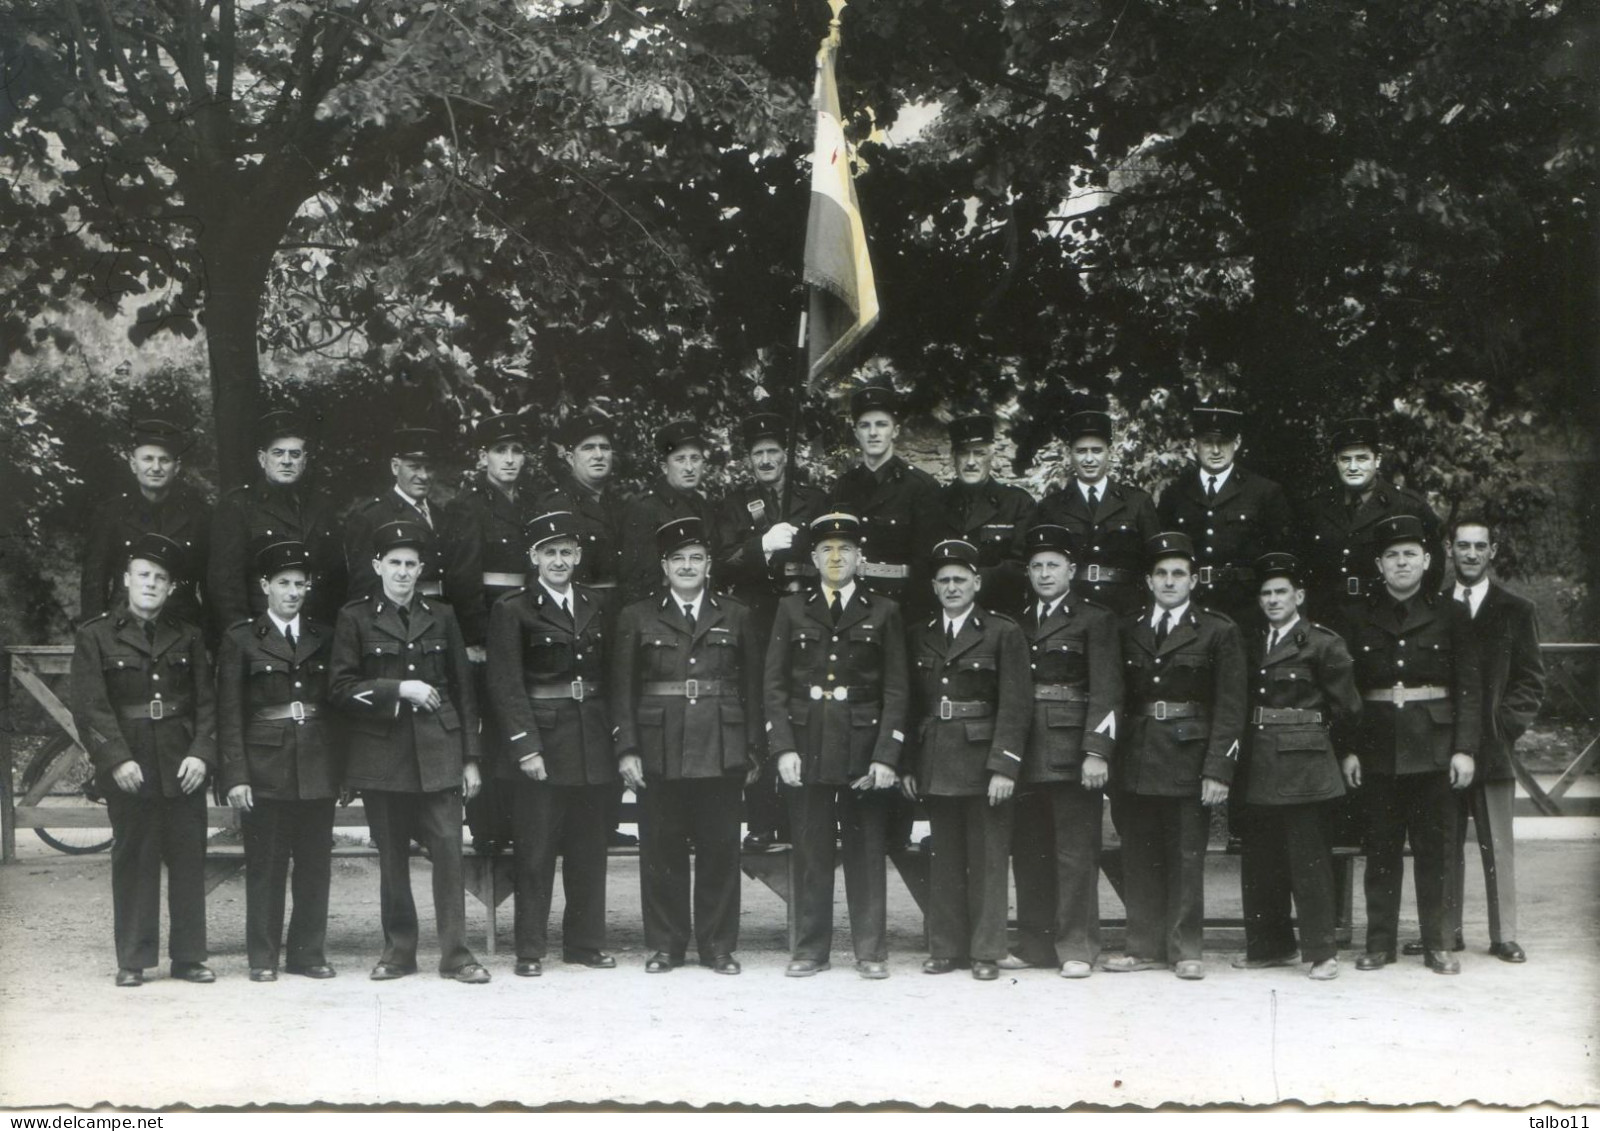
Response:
column 158, row 710
column 297, row 711
column 691, row 689
column 947, row 709
column 1160, row 707
column 1205, row 575
column 840, row 694
column 817, row 692
column 1399, row 695
column 1093, row 572
column 1352, row 586
column 1260, row 716
column 577, row 689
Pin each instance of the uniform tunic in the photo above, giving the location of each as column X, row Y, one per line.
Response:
column 249, row 518
column 993, row 517
column 450, row 569
column 641, row 565
column 901, row 522
column 1339, row 551
column 1111, row 541
column 117, row 524
column 602, row 523
column 1249, row 517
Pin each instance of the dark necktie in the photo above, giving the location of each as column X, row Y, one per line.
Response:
column 1166, row 623
column 1354, row 503
column 835, row 606
column 1272, row 640
column 288, row 634
column 1094, row 500
column 422, row 509
column 150, row 634
column 688, row 615
column 949, row 633
column 405, row 614
column 1466, row 600
column 1211, row 488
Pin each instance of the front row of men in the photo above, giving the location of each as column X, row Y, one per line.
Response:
column 1009, row 731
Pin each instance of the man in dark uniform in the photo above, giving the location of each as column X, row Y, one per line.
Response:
column 836, row 699
column 989, row 514
column 1418, row 671
column 282, row 506
column 686, row 693
column 680, row 493
column 974, row 702
column 1301, row 688
column 281, row 753
column 763, row 557
column 1505, row 627
column 400, row 674
column 547, row 672
column 157, row 503
column 1111, row 522
column 1076, row 665
column 143, row 706
column 1184, row 674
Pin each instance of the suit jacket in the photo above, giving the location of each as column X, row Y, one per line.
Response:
column 451, row 561
column 117, row 523
column 1506, row 629
column 1340, row 555
column 641, row 565
column 1076, row 645
column 1114, row 537
column 901, row 522
column 601, row 521
column 1201, row 661
column 1249, row 517
column 115, row 667
column 987, row 662
column 533, row 644
column 248, row 518
column 489, row 526
column 743, row 571
column 837, row 739
column 993, row 517
column 1308, row 670
column 280, row 759
column 1432, row 646
column 393, row 746
column 676, row 737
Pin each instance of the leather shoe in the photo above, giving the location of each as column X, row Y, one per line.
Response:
column 722, row 964
column 528, row 968
column 943, row 965
column 318, row 970
column 806, row 967
column 471, row 974
column 1130, row 964
column 1442, row 962
column 1415, row 947
column 985, row 971
column 1014, row 962
column 1325, row 971
column 660, row 962
column 1508, row 952
column 197, row 972
column 263, row 974
column 1190, row 969
column 762, row 842
column 1073, row 968
column 388, row 971
column 618, row 839
column 1375, row 960
column 873, row 971
column 594, row 959
column 1245, row 963
column 127, row 978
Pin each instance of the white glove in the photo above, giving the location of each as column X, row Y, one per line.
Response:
column 780, row 537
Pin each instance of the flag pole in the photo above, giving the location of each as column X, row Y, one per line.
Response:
column 791, row 459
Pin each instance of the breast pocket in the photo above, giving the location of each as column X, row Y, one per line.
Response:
column 865, row 644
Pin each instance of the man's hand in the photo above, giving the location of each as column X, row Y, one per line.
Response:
column 1352, row 771
column 879, row 775
column 1095, row 772
column 420, row 694
column 192, row 774
column 632, row 771
column 128, row 776
column 533, row 766
column 1000, row 788
column 477, row 653
column 753, row 774
column 471, row 779
column 908, row 786
column 779, row 537
column 241, row 798
column 1462, row 768
column 789, row 767
column 1212, row 792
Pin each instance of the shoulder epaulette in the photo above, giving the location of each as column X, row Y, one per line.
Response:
column 1007, row 617
column 1090, row 603
column 1322, row 628
column 354, row 601
column 1223, row 617
column 512, row 593
column 241, row 623
column 97, row 617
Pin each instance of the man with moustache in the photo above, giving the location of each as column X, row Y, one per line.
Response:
column 281, row 753
column 679, row 493
column 836, row 697
column 143, row 705
column 986, row 513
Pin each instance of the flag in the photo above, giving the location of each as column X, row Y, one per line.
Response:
column 838, row 271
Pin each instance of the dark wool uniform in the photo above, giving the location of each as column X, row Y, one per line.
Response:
column 451, row 571
column 1110, row 540
column 1248, row 517
column 901, row 519
column 1340, row 552
column 248, row 518
column 147, row 696
column 1299, row 692
column 687, row 701
column 1185, row 714
column 602, row 525
column 277, row 735
column 973, row 705
column 1076, row 664
column 182, row 515
column 992, row 516
column 648, row 513
column 837, row 695
column 547, row 684
column 406, row 761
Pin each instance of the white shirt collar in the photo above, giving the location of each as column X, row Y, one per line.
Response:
column 558, row 598
column 846, row 592
column 286, row 626
column 1284, row 631
column 955, row 624
column 1475, row 593
column 1177, row 616
column 1099, row 485
column 414, row 504
column 1043, row 608
column 1220, row 476
column 699, row 599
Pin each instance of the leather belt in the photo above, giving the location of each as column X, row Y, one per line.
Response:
column 884, row 569
column 297, row 711
column 506, row 580
column 1400, row 694
column 601, row 584
column 691, row 688
column 431, row 588
column 1355, row 586
column 577, row 691
column 799, row 569
column 155, row 710
column 963, row 709
column 1059, row 693
column 1162, row 710
column 1109, row 574
column 842, row 694
column 1284, row 716
column 1216, row 575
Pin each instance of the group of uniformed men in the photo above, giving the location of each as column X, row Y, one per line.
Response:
column 832, row 656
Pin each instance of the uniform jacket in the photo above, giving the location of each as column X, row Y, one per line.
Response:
column 902, row 521
column 390, row 742
column 115, row 667
column 1200, row 661
column 117, row 522
column 1249, row 517
column 1308, row 670
column 1076, row 645
column 641, row 564
column 1506, row 629
column 747, row 513
column 451, row 559
column 489, row 526
column 1113, row 538
column 674, row 736
column 1432, row 646
column 280, row 759
column 987, row 662
column 1340, row 552
column 837, row 739
column 601, row 520
column 533, row 644
column 993, row 517
column 248, row 518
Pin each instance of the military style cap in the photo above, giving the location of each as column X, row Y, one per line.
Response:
column 581, row 425
column 158, row 548
column 1273, row 565
column 415, row 443
column 162, row 433
column 492, row 430
column 1173, row 544
column 680, row 532
column 764, row 426
column 967, row 430
column 873, row 398
column 401, row 532
column 836, row 525
column 1209, row 419
column 274, row 559
column 549, row 527
column 1089, row 423
column 1355, row 432
column 1399, row 528
column 1049, row 538
column 281, row 422
column 679, row 433
column 955, row 550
